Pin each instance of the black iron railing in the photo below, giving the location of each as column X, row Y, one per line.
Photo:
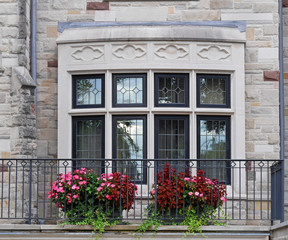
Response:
column 38, row 190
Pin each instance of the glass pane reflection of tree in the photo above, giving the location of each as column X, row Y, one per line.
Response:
column 130, row 140
column 88, row 91
column 213, row 146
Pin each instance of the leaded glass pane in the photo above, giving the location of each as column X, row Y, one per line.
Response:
column 171, row 139
column 89, row 91
column 88, row 143
column 213, row 90
column 130, row 145
column 171, row 89
column 129, row 89
column 213, row 146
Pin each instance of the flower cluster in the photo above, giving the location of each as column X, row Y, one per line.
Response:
column 118, row 188
column 200, row 191
column 71, row 187
column 176, row 190
column 83, row 189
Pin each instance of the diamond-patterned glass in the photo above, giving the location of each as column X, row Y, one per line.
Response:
column 129, row 89
column 89, row 90
column 213, row 90
column 171, row 89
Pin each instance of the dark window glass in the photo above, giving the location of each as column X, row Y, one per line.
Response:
column 171, row 90
column 88, row 141
column 214, row 143
column 129, row 142
column 171, row 136
column 213, row 91
column 88, row 91
column 129, row 90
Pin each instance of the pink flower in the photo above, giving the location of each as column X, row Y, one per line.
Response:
column 196, row 193
column 83, row 169
column 153, row 192
column 190, row 193
column 82, row 182
column 74, row 187
column 69, row 183
column 99, row 189
column 75, row 196
column 112, row 185
column 110, row 178
column 49, row 196
column 108, row 197
column 103, row 184
column 186, row 179
column 98, row 178
column 75, row 177
column 201, row 195
column 223, row 199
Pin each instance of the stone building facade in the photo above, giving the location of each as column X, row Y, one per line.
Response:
column 29, row 124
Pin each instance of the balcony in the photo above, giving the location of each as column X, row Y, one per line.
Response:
column 243, row 192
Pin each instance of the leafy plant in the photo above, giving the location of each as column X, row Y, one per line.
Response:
column 196, row 198
column 85, row 198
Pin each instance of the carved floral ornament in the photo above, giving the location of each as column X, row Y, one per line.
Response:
column 129, row 52
column 171, row 52
column 213, row 52
column 88, row 53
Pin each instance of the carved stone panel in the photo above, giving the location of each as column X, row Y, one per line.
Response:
column 171, row 51
column 129, row 51
column 89, row 53
column 213, row 52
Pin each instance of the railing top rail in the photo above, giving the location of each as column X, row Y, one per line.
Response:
column 146, row 159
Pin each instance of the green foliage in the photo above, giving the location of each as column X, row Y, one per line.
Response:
column 99, row 223
column 193, row 220
column 152, row 221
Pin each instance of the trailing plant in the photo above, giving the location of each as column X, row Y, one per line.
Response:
column 83, row 197
column 196, row 199
column 152, row 221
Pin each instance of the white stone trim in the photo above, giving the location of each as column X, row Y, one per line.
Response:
column 151, row 33
column 229, row 59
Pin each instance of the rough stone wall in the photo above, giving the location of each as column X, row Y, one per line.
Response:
column 262, row 118
column 14, row 53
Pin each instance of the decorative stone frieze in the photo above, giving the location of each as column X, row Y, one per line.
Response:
column 129, row 51
column 88, row 53
column 213, row 52
column 171, row 51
